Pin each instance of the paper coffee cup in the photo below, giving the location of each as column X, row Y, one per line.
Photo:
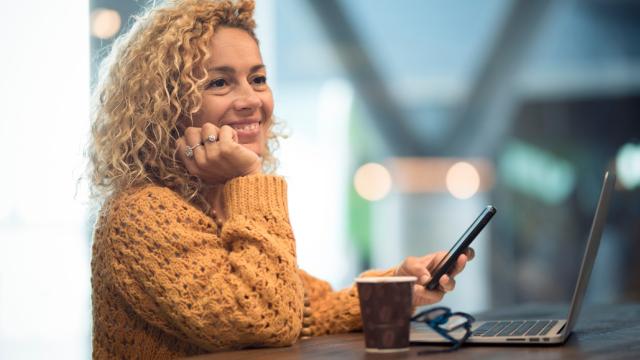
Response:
column 385, row 307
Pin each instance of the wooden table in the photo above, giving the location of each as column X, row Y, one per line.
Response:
column 603, row 332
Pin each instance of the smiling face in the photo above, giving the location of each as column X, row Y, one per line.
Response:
column 237, row 93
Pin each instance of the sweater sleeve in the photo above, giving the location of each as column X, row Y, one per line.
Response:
column 335, row 312
column 237, row 290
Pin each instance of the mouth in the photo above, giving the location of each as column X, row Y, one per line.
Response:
column 245, row 127
column 247, row 130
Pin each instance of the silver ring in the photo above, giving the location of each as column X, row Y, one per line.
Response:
column 211, row 138
column 189, row 151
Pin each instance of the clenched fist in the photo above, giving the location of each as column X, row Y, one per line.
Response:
column 215, row 154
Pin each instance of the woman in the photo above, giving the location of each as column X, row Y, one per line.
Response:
column 193, row 251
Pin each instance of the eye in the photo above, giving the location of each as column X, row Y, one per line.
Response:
column 217, row 84
column 260, row 80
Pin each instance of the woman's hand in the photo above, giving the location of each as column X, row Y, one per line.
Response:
column 216, row 162
column 423, row 267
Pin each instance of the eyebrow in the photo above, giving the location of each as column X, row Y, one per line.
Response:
column 230, row 70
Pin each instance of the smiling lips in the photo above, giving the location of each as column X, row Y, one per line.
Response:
column 246, row 127
column 246, row 130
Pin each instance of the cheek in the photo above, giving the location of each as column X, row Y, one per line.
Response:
column 212, row 111
column 267, row 104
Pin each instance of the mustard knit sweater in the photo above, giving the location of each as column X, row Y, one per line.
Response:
column 165, row 285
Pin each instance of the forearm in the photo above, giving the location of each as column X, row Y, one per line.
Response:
column 335, row 312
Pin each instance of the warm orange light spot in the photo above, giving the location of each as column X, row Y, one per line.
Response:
column 105, row 23
column 463, row 180
column 372, row 181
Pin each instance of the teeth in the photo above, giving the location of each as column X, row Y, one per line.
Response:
column 247, row 127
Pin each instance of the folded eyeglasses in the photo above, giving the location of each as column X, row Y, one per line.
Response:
column 453, row 326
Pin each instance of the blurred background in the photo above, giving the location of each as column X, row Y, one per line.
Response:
column 405, row 118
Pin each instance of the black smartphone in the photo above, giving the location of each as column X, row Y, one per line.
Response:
column 446, row 264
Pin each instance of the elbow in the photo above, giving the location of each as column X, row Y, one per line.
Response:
column 286, row 336
column 292, row 331
column 273, row 317
column 287, row 313
column 284, row 325
column 283, row 329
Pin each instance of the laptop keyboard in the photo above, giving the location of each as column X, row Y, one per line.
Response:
column 515, row 328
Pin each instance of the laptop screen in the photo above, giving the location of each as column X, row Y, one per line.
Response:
column 593, row 242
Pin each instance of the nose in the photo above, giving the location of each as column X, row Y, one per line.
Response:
column 247, row 99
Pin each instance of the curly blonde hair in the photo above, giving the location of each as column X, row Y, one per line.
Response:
column 150, row 84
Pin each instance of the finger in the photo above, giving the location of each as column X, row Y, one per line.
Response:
column 182, row 147
column 416, row 267
column 471, row 253
column 209, row 134
column 461, row 262
column 191, row 166
column 437, row 256
column 423, row 279
column 434, row 259
column 447, row 283
column 192, row 137
column 422, row 296
column 227, row 143
column 227, row 134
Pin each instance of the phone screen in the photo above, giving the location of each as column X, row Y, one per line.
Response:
column 446, row 264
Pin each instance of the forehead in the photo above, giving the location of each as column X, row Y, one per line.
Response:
column 233, row 46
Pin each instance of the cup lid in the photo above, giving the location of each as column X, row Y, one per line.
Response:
column 386, row 279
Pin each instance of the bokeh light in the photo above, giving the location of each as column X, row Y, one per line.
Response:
column 628, row 165
column 372, row 181
column 105, row 23
column 463, row 180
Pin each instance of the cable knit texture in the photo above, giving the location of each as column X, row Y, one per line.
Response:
column 165, row 285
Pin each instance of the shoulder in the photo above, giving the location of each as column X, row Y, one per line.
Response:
column 151, row 194
column 150, row 205
column 152, row 198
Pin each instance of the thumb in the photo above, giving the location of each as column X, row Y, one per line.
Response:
column 424, row 276
column 424, row 279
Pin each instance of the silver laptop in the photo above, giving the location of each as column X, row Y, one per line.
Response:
column 543, row 331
